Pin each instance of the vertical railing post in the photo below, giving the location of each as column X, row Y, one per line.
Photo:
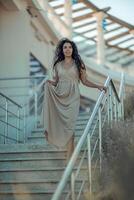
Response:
column 122, row 102
column 24, row 124
column 114, row 108
column 110, row 103
column 36, row 108
column 6, row 120
column 72, row 186
column 18, row 125
column 121, row 96
column 108, row 106
column 89, row 164
column 119, row 110
column 100, row 138
column 116, row 103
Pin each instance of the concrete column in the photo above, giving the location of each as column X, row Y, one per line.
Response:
column 68, row 16
column 100, row 38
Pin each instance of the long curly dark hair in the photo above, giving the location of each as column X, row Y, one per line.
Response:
column 59, row 55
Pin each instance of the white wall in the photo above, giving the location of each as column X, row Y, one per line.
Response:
column 17, row 40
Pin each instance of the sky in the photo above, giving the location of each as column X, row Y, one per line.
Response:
column 123, row 9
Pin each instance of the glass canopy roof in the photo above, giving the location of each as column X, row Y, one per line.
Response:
column 118, row 35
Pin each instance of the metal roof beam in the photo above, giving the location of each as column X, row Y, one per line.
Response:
column 88, row 47
column 122, row 49
column 79, row 18
column 112, row 53
column 117, row 36
column 74, row 11
column 128, row 62
column 89, row 4
column 87, row 38
column 124, row 41
column 93, row 29
column 115, row 29
column 128, row 54
column 79, row 9
column 131, row 45
column 114, row 59
column 121, row 22
column 88, row 23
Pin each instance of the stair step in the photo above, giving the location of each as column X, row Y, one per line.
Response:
column 34, row 195
column 40, row 173
column 32, row 171
column 28, row 155
column 78, row 132
column 40, row 139
column 31, row 185
column 79, row 123
column 30, row 163
column 24, row 194
column 77, row 128
column 84, row 117
column 28, row 148
column 16, row 155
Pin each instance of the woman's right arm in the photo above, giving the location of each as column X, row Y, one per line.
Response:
column 55, row 78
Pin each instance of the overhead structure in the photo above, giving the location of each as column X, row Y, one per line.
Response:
column 98, row 34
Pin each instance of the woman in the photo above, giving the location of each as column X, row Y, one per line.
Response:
column 62, row 96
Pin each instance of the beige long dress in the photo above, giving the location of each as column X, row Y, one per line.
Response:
column 62, row 105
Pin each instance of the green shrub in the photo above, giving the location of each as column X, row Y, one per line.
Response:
column 117, row 178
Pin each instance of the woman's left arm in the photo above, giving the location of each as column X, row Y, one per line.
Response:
column 86, row 82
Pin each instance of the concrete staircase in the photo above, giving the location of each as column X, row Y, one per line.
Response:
column 32, row 171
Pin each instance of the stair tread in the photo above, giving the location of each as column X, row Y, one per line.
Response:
column 30, row 192
column 34, row 159
column 34, row 151
column 42, row 135
column 33, row 181
column 77, row 127
column 31, row 159
column 34, row 169
column 29, row 148
column 34, row 191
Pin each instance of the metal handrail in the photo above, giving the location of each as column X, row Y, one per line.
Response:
column 86, row 135
column 9, row 99
column 5, row 122
column 30, row 108
column 34, row 107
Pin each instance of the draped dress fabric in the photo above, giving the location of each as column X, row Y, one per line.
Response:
column 61, row 105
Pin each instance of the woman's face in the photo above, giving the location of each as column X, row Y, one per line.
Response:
column 67, row 49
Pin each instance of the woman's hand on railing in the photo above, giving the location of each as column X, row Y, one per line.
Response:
column 101, row 88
